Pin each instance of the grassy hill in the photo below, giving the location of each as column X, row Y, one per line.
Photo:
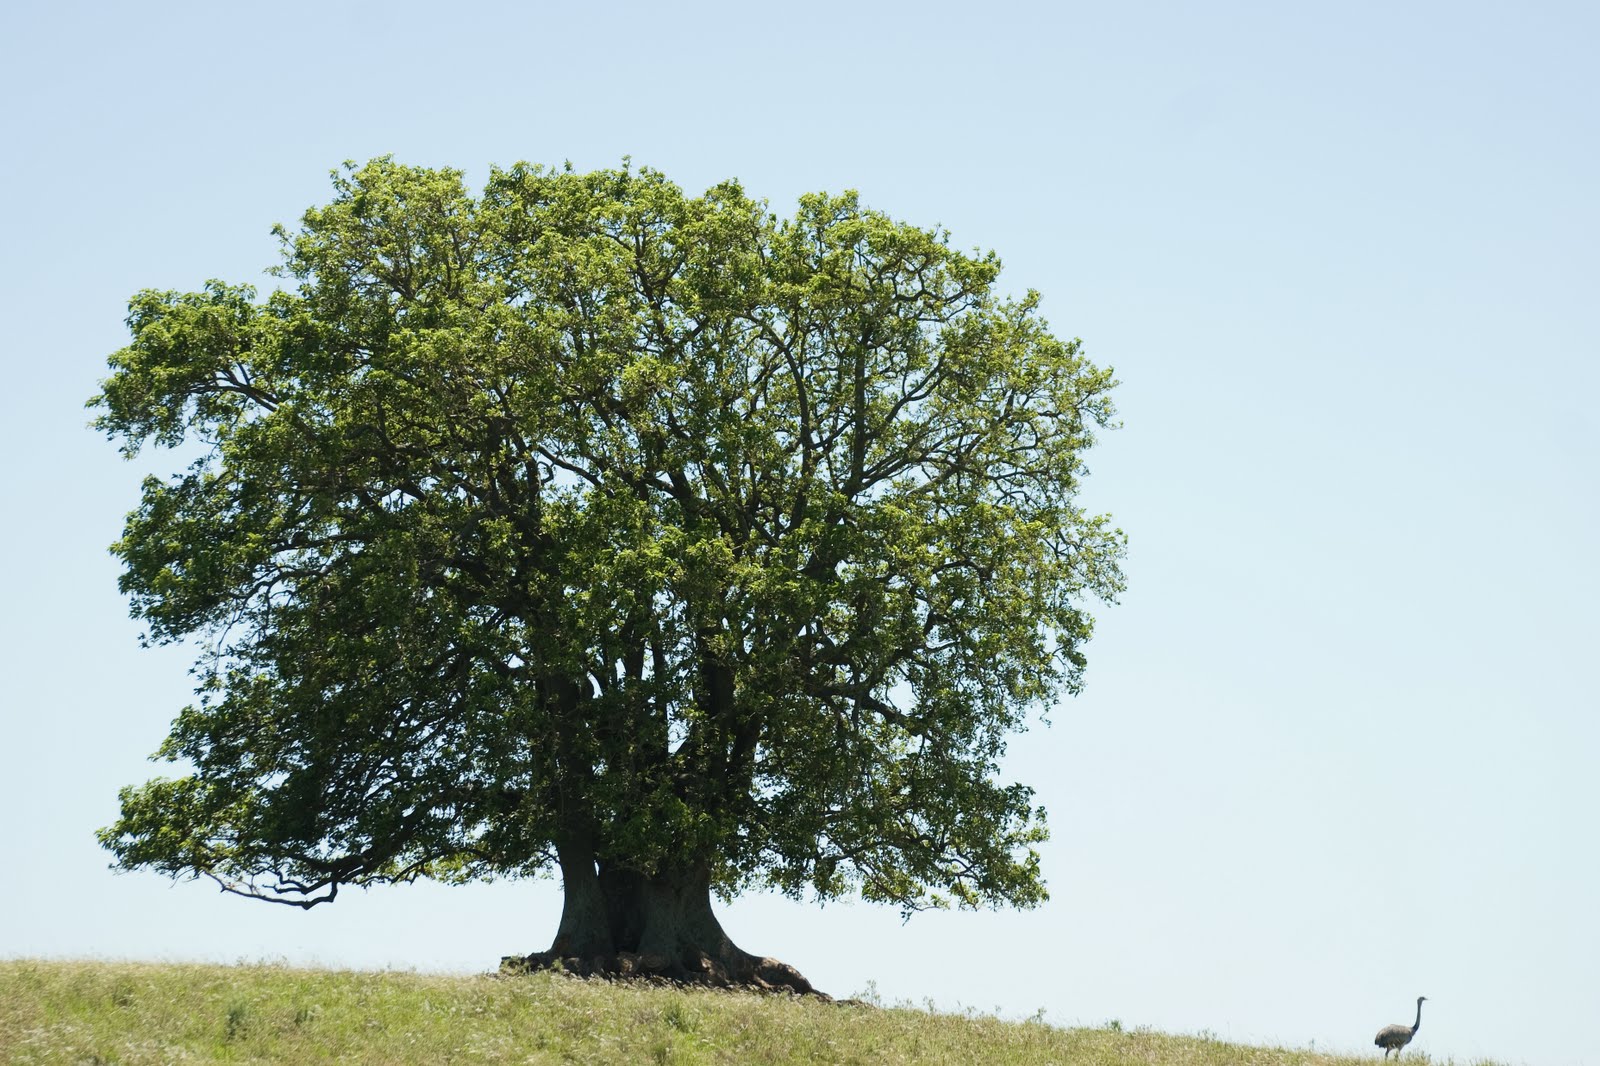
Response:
column 126, row 1013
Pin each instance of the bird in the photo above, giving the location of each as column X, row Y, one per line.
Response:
column 1394, row 1037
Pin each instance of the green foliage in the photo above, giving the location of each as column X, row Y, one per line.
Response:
column 238, row 1019
column 583, row 509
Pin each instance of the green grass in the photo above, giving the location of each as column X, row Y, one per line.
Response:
column 126, row 1013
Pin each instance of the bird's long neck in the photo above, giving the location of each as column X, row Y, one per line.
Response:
column 1418, row 1023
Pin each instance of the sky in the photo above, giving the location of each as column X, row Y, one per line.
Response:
column 1337, row 747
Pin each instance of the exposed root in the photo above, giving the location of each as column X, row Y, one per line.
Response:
column 749, row 972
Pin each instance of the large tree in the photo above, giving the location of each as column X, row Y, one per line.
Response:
column 583, row 525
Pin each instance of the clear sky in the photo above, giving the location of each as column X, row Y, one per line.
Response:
column 1338, row 747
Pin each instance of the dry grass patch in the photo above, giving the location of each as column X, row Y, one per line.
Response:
column 131, row 1013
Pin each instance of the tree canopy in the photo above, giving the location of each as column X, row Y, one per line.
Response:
column 585, row 525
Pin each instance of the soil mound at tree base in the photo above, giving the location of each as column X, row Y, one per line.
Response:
column 753, row 972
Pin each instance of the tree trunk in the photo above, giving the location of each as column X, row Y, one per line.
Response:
column 621, row 923
column 585, row 928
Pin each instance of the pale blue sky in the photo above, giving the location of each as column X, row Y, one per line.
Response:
column 1338, row 744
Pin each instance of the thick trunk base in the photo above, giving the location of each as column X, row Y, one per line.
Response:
column 750, row 971
column 622, row 925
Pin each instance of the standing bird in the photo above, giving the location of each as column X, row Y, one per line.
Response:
column 1394, row 1037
